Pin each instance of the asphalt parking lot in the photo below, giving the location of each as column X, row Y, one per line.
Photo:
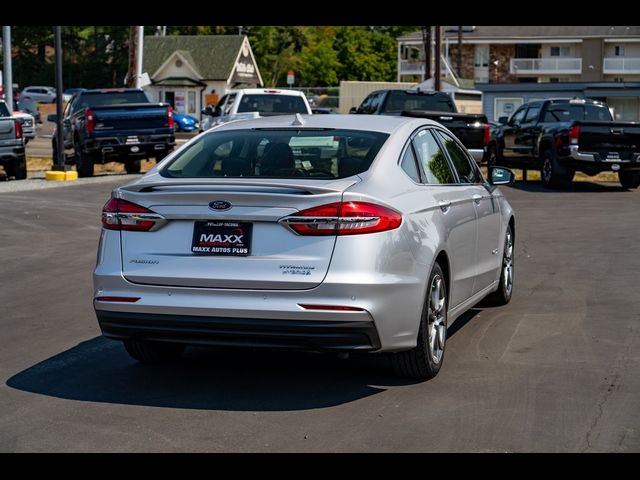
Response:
column 556, row 370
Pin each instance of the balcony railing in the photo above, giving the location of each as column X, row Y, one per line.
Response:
column 411, row 67
column 541, row 66
column 621, row 65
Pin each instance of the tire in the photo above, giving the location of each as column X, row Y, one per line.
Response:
column 502, row 296
column 20, row 169
column 425, row 359
column 133, row 165
column 153, row 352
column 492, row 156
column 552, row 173
column 84, row 161
column 629, row 179
column 161, row 154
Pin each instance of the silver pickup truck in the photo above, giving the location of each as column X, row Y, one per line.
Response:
column 12, row 156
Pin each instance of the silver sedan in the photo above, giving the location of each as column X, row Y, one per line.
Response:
column 327, row 233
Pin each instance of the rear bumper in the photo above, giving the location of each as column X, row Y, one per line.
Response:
column 12, row 153
column 593, row 159
column 240, row 332
column 146, row 145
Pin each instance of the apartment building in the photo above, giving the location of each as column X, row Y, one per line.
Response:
column 530, row 54
column 600, row 62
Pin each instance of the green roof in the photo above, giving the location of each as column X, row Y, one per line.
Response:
column 213, row 56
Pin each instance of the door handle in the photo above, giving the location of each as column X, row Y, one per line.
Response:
column 444, row 205
column 477, row 199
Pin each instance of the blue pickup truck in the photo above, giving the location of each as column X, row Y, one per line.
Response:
column 120, row 125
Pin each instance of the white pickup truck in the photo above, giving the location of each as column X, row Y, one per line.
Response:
column 252, row 103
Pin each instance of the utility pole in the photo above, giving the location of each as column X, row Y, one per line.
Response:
column 426, row 42
column 438, row 53
column 139, row 56
column 133, row 51
column 8, row 74
column 459, row 52
column 58, row 162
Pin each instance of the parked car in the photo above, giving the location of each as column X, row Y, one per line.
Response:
column 253, row 103
column 472, row 129
column 27, row 122
column 40, row 94
column 562, row 136
column 27, row 105
column 70, row 92
column 12, row 156
column 186, row 123
column 105, row 125
column 242, row 238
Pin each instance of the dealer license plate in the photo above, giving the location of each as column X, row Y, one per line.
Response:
column 232, row 239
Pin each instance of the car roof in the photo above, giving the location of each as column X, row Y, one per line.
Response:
column 374, row 123
column 268, row 91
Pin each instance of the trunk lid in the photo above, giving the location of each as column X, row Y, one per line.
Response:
column 278, row 258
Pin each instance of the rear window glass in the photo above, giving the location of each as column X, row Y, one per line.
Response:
column 312, row 154
column 272, row 104
column 115, row 98
column 399, row 101
column 566, row 113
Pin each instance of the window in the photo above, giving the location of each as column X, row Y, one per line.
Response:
column 409, row 165
column 618, row 50
column 564, row 112
column 433, row 161
column 401, row 100
column 461, row 161
column 286, row 153
column 532, row 114
column 481, row 56
column 191, row 102
column 518, row 117
column 271, row 104
column 560, row 51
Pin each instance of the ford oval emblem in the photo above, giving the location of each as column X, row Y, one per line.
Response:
column 220, row 205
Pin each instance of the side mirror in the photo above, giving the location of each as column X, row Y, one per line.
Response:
column 52, row 117
column 501, row 176
column 503, row 120
column 353, row 110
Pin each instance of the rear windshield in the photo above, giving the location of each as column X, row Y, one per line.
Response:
column 566, row 112
column 273, row 104
column 399, row 101
column 312, row 154
column 113, row 98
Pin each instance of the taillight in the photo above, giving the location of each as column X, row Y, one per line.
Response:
column 89, row 124
column 170, row 120
column 18, row 129
column 344, row 218
column 574, row 134
column 118, row 214
column 487, row 135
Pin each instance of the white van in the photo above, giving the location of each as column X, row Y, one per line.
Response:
column 254, row 102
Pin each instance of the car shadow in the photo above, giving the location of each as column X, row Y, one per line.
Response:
column 100, row 370
column 574, row 187
column 461, row 321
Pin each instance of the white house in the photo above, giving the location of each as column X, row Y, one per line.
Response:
column 192, row 71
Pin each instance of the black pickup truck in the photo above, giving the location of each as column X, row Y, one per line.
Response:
column 115, row 125
column 471, row 129
column 562, row 136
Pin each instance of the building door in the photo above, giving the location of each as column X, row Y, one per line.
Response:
column 170, row 98
column 481, row 64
